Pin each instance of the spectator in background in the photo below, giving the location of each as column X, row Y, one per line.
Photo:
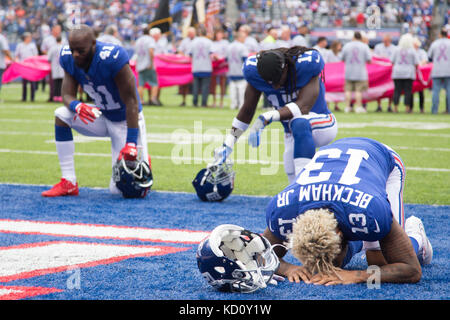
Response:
column 111, row 35
column 302, row 39
column 161, row 47
column 24, row 50
column 335, row 55
column 237, row 52
column 439, row 53
column 423, row 59
column 145, row 50
column 250, row 42
column 57, row 72
column 49, row 42
column 285, row 37
column 184, row 48
column 355, row 54
column 405, row 61
column 321, row 46
column 4, row 52
column 269, row 42
column 385, row 49
column 200, row 52
column 219, row 49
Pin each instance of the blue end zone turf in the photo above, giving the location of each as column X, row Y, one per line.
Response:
column 175, row 276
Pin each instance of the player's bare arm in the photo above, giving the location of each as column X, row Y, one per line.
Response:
column 69, row 89
column 125, row 82
column 402, row 265
column 248, row 109
column 292, row 272
column 307, row 97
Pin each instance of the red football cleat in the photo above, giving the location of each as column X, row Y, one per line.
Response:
column 149, row 161
column 63, row 188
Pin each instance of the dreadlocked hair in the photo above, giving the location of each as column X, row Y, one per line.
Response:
column 314, row 240
column 291, row 55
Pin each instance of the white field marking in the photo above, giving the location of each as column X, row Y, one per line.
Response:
column 191, row 159
column 30, row 260
column 162, row 137
column 412, row 125
column 101, row 231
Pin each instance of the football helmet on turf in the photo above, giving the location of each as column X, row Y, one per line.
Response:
column 133, row 178
column 215, row 182
column 234, row 259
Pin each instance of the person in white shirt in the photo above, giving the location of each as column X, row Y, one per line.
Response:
column 49, row 42
column 57, row 72
column 250, row 42
column 321, row 46
column 184, row 48
column 405, row 61
column 356, row 54
column 237, row 52
column 385, row 49
column 285, row 37
column 423, row 59
column 111, row 35
column 4, row 52
column 24, row 50
column 200, row 53
column 145, row 51
column 439, row 53
column 161, row 47
column 220, row 45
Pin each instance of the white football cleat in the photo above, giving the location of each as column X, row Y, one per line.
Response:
column 348, row 109
column 414, row 225
column 360, row 110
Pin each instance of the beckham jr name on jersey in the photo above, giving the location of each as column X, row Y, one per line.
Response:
column 98, row 82
column 349, row 178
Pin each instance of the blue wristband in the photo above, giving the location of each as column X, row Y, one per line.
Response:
column 132, row 135
column 73, row 105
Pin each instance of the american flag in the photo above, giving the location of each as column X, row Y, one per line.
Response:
column 213, row 8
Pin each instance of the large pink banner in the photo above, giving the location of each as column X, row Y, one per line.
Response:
column 34, row 69
column 174, row 69
column 381, row 84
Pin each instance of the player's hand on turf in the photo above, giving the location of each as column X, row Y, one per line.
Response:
column 129, row 152
column 221, row 154
column 87, row 113
column 297, row 273
column 340, row 276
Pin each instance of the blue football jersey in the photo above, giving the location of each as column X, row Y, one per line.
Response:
column 349, row 178
column 307, row 66
column 98, row 82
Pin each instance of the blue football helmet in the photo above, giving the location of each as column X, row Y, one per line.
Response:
column 215, row 182
column 133, row 178
column 234, row 259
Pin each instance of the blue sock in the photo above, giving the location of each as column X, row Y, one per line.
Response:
column 304, row 146
column 415, row 245
column 63, row 133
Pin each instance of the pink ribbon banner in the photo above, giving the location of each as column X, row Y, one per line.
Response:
column 381, row 84
column 175, row 69
column 34, row 69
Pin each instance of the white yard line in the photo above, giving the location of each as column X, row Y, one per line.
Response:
column 187, row 159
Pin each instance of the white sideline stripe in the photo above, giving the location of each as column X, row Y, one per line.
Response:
column 16, row 261
column 412, row 125
column 194, row 159
column 101, row 231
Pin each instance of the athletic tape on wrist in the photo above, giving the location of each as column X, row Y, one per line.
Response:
column 295, row 109
column 73, row 105
column 272, row 115
column 238, row 124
